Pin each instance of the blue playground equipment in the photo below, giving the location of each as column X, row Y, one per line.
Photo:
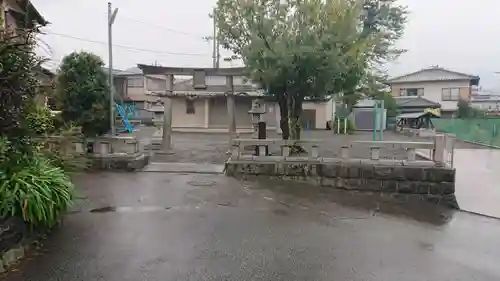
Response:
column 124, row 112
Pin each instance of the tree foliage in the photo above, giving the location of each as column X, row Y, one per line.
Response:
column 374, row 88
column 18, row 85
column 310, row 48
column 31, row 188
column 384, row 20
column 465, row 111
column 40, row 120
column 295, row 49
column 83, row 93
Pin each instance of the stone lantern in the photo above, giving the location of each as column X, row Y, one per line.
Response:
column 257, row 110
column 259, row 125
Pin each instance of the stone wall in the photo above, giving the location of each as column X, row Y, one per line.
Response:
column 16, row 237
column 128, row 163
column 404, row 178
column 104, row 153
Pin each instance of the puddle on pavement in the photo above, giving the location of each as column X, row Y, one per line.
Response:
column 144, row 209
column 201, row 183
column 280, row 212
column 375, row 204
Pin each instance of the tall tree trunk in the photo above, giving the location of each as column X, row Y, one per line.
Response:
column 294, row 103
column 282, row 103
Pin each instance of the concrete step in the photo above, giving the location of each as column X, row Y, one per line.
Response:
column 165, row 167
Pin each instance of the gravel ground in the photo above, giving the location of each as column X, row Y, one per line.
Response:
column 212, row 148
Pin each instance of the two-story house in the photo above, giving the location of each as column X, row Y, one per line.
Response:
column 133, row 87
column 16, row 14
column 436, row 84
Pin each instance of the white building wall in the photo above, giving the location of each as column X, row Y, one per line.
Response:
column 180, row 119
column 323, row 114
column 330, row 110
column 486, row 105
column 433, row 91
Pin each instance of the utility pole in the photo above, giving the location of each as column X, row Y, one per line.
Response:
column 214, row 40
column 217, row 62
column 111, row 20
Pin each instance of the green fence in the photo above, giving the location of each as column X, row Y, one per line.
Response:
column 480, row 130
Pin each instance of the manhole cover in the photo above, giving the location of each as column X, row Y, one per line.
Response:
column 201, row 183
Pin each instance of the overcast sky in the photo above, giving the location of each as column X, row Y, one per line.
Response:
column 454, row 34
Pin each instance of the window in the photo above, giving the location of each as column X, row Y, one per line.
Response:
column 450, row 94
column 135, row 82
column 412, row 92
column 190, row 106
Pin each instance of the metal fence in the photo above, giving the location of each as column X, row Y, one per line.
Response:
column 479, row 130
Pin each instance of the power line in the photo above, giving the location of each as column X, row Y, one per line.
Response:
column 126, row 47
column 131, row 19
column 163, row 28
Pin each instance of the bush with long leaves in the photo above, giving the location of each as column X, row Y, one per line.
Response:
column 39, row 192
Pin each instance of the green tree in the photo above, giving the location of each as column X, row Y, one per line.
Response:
column 18, row 85
column 383, row 21
column 31, row 188
column 373, row 87
column 296, row 49
column 83, row 93
column 466, row 111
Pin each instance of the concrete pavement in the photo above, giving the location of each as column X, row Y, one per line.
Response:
column 478, row 180
column 157, row 226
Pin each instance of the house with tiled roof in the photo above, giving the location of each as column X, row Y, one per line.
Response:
column 19, row 14
column 436, row 84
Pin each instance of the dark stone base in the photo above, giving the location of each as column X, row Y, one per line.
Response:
column 121, row 162
column 416, row 181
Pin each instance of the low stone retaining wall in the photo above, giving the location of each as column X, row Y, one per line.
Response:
column 403, row 178
column 16, row 238
column 105, row 153
column 128, row 163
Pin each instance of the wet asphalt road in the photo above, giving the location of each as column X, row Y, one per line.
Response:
column 157, row 226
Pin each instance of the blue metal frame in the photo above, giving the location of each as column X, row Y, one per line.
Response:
column 123, row 112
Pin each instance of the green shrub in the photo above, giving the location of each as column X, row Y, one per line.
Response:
column 83, row 93
column 350, row 127
column 38, row 192
column 40, row 121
